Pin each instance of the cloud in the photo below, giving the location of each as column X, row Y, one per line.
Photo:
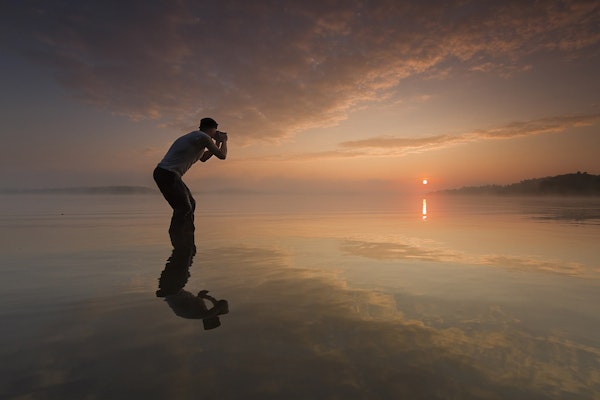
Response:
column 533, row 264
column 398, row 251
column 270, row 68
column 394, row 146
column 536, row 127
column 431, row 252
column 385, row 145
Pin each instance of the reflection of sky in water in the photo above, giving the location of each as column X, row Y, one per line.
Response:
column 374, row 305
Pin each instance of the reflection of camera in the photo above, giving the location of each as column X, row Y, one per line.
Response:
column 221, row 136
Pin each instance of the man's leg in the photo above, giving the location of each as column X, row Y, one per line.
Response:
column 178, row 196
column 190, row 221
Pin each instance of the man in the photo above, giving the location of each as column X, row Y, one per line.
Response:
column 185, row 151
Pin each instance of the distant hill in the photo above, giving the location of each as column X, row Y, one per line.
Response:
column 577, row 184
column 85, row 190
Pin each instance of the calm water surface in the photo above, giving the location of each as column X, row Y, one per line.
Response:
column 329, row 298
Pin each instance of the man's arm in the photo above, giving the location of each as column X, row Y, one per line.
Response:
column 212, row 149
column 206, row 155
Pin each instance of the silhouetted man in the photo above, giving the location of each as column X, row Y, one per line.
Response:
column 183, row 153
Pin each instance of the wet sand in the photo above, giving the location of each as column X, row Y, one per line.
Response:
column 476, row 301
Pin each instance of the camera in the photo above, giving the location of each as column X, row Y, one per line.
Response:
column 221, row 136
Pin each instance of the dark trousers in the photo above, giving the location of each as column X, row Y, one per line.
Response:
column 180, row 199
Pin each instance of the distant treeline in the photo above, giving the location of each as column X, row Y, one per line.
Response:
column 85, row 190
column 577, row 184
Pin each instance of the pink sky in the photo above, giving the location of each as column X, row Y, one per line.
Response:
column 316, row 94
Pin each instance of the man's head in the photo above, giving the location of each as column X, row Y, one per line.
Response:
column 208, row 126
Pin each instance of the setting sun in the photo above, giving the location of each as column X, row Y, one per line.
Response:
column 425, row 182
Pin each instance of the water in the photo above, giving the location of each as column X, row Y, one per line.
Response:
column 328, row 298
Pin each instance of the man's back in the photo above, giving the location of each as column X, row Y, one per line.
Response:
column 184, row 152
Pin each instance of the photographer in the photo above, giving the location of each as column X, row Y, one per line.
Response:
column 183, row 153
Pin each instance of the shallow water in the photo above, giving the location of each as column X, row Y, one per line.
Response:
column 328, row 298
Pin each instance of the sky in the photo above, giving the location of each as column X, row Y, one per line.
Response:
column 373, row 95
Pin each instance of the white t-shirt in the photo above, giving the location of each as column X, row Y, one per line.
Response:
column 186, row 150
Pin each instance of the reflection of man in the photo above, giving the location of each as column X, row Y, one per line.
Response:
column 177, row 271
column 185, row 151
column 186, row 305
column 183, row 303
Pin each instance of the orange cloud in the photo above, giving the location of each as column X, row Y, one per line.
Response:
column 515, row 129
column 386, row 146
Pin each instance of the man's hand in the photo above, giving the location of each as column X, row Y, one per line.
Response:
column 217, row 148
column 221, row 136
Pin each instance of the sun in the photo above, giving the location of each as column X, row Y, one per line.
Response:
column 425, row 182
